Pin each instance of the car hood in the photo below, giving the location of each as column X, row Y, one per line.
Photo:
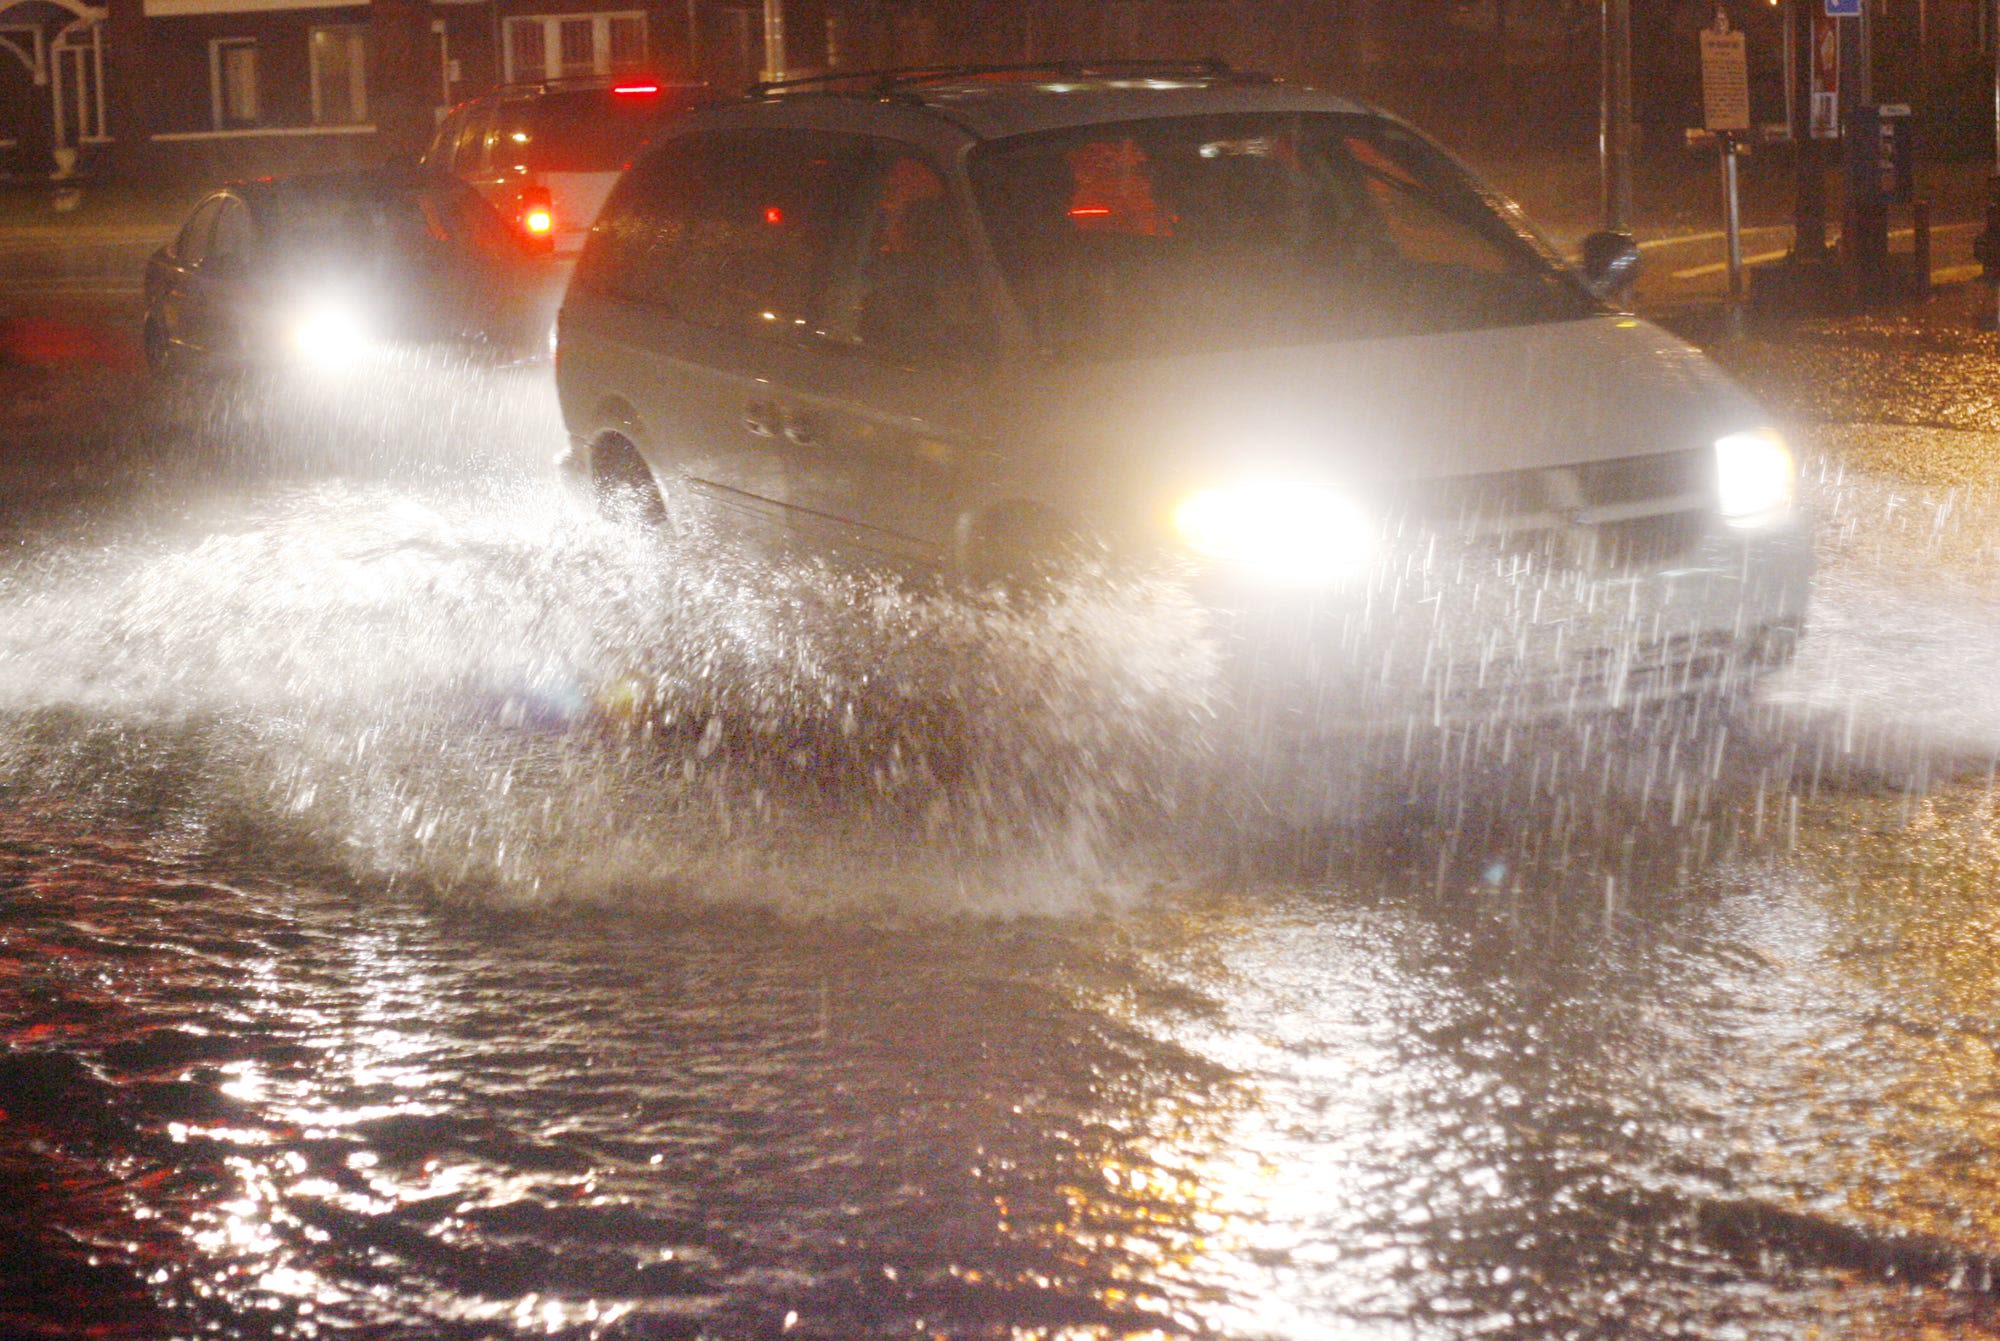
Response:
column 1396, row 409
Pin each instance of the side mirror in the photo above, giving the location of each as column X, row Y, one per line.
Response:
column 1610, row 262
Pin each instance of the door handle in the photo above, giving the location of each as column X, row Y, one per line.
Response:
column 802, row 429
column 760, row 417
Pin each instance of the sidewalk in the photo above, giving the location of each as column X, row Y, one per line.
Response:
column 1674, row 194
column 103, row 211
column 1681, row 193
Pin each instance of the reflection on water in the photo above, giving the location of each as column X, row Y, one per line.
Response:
column 427, row 910
column 1319, row 1111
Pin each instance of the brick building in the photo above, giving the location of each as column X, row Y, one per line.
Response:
column 213, row 88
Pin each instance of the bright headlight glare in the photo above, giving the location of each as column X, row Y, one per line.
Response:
column 1755, row 476
column 329, row 334
column 1293, row 531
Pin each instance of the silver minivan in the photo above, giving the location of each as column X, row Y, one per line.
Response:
column 1270, row 340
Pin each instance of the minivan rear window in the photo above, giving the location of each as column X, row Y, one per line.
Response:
column 580, row 130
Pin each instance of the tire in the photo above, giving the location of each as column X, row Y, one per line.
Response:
column 623, row 484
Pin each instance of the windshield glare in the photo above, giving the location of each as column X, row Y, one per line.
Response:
column 1179, row 235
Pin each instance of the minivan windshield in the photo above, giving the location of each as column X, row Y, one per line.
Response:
column 1184, row 234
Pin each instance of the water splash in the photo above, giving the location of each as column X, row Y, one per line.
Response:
column 490, row 688
column 374, row 628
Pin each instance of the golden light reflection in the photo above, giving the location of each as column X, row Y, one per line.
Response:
column 1237, row 1208
column 1898, row 1087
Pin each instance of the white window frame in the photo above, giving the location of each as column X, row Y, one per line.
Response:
column 356, row 37
column 76, row 74
column 217, row 46
column 551, row 25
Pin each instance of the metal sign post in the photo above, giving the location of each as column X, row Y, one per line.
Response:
column 1986, row 247
column 1725, row 104
column 1614, row 130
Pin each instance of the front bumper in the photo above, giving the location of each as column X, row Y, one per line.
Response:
column 1441, row 634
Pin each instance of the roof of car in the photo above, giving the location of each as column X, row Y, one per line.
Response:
column 990, row 102
column 587, row 85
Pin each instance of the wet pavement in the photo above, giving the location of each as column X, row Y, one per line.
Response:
column 426, row 911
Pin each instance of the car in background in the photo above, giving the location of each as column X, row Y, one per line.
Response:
column 545, row 155
column 323, row 268
column 996, row 321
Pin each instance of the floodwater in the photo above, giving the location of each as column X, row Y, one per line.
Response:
column 429, row 910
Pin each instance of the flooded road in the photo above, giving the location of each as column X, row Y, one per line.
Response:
column 427, row 910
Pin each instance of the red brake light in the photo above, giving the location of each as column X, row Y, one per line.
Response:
column 537, row 218
column 634, row 90
column 773, row 215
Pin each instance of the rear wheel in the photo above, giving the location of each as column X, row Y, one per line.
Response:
column 623, row 483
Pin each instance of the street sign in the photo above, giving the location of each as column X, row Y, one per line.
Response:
column 1825, row 105
column 1843, row 9
column 1725, row 110
column 1725, row 78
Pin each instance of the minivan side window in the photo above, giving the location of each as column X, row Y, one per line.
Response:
column 731, row 229
column 912, row 292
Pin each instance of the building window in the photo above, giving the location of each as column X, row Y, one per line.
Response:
column 340, row 76
column 570, row 46
column 232, row 81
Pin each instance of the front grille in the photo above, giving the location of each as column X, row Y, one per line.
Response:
column 1599, row 516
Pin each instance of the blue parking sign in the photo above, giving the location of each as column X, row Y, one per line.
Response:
column 1843, row 9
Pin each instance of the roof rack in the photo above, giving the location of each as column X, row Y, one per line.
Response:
column 901, row 82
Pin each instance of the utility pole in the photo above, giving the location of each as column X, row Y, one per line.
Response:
column 774, row 39
column 127, row 86
column 1987, row 245
column 1614, row 127
column 1809, row 172
column 404, row 107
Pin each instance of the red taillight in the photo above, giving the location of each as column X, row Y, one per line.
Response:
column 634, row 90
column 537, row 218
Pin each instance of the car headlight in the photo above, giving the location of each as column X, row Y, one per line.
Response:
column 329, row 333
column 1296, row 532
column 1756, row 477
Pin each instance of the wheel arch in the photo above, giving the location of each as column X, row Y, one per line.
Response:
column 1015, row 541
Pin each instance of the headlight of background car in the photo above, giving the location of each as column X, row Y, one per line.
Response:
column 329, row 332
column 1755, row 476
column 1293, row 532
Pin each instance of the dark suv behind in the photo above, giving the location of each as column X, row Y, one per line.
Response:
column 545, row 155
